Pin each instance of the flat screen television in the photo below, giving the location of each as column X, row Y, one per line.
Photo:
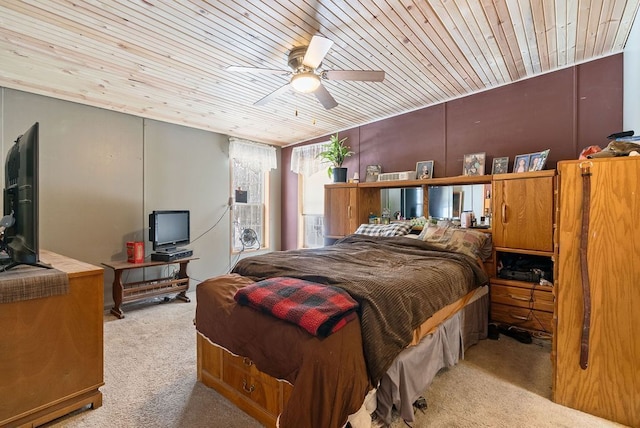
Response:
column 20, row 221
column 169, row 229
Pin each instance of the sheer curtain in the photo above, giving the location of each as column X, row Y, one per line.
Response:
column 304, row 159
column 255, row 155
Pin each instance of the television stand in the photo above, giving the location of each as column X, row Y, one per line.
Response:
column 125, row 292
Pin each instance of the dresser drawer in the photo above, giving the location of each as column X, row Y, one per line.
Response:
column 258, row 387
column 243, row 364
column 522, row 297
column 530, row 319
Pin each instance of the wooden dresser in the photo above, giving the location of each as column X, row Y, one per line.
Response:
column 51, row 351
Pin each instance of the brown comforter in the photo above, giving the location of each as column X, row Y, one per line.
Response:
column 398, row 282
column 329, row 375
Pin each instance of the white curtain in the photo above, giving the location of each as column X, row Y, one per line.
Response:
column 258, row 156
column 305, row 161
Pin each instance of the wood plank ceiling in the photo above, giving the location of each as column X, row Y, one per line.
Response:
column 168, row 59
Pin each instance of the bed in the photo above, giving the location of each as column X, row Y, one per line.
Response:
column 420, row 303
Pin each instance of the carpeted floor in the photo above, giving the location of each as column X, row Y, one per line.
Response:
column 150, row 381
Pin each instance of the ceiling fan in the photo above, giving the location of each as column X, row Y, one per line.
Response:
column 304, row 62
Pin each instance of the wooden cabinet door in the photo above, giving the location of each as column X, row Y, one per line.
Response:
column 340, row 210
column 523, row 212
column 610, row 386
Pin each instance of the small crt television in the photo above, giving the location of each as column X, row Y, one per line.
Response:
column 169, row 229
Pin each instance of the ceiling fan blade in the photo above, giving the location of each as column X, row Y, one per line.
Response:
column 316, row 51
column 364, row 75
column 275, row 94
column 325, row 97
column 257, row 70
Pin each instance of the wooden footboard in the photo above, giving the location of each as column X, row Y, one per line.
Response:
column 237, row 378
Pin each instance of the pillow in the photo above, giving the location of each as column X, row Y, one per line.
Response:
column 467, row 241
column 486, row 250
column 388, row 230
column 446, row 223
column 437, row 234
column 473, row 243
column 440, row 229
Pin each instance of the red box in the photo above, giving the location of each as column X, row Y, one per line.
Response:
column 135, row 252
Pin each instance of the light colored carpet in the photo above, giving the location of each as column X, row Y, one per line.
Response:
column 150, row 381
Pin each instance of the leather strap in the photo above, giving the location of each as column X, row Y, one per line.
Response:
column 584, row 266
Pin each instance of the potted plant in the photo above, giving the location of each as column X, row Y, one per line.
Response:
column 335, row 153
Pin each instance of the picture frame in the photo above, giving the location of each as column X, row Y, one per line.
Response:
column 500, row 165
column 473, row 164
column 372, row 173
column 424, row 170
column 538, row 160
column 521, row 163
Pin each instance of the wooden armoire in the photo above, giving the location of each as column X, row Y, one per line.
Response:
column 609, row 387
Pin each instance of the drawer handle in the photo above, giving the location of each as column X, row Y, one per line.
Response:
column 248, row 390
column 523, row 299
column 504, row 212
column 519, row 317
column 247, row 361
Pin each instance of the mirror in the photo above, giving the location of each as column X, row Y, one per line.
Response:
column 445, row 202
column 404, row 202
column 448, row 202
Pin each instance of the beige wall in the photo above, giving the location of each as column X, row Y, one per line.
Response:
column 186, row 168
column 632, row 80
column 102, row 172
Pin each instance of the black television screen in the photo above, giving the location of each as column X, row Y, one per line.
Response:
column 169, row 229
column 20, row 238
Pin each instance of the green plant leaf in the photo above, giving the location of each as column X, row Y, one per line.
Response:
column 335, row 152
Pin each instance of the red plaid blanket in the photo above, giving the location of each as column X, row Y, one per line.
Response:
column 319, row 309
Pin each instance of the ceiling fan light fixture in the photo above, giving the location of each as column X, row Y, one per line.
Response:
column 305, row 82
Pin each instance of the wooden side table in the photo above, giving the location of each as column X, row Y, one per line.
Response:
column 124, row 292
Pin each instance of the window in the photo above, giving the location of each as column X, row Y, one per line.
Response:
column 250, row 166
column 312, row 209
column 312, row 176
